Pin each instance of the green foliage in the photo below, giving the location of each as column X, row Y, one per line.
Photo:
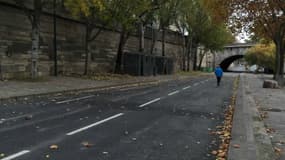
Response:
column 168, row 12
column 199, row 21
column 125, row 14
column 216, row 36
column 262, row 55
column 90, row 11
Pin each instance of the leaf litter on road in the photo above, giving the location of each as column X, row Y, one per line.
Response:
column 54, row 147
column 87, row 144
column 224, row 130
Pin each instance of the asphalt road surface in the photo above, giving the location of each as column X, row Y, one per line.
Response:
column 168, row 121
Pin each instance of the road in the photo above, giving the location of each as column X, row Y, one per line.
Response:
column 169, row 121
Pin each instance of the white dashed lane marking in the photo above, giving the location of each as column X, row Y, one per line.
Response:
column 16, row 155
column 187, row 87
column 75, row 99
column 195, row 84
column 94, row 124
column 150, row 102
column 173, row 93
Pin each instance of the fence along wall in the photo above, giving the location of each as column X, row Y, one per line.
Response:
column 15, row 45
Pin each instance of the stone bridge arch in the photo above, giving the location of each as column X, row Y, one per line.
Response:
column 230, row 54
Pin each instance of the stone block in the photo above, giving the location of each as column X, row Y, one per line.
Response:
column 270, row 84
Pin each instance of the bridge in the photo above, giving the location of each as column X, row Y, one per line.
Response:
column 230, row 54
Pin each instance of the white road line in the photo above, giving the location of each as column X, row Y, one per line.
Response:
column 196, row 84
column 150, row 102
column 187, row 87
column 94, row 124
column 16, row 155
column 173, row 93
column 75, row 99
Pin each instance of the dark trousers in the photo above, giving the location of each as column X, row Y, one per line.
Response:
column 218, row 80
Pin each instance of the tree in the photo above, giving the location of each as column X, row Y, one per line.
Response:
column 125, row 15
column 214, row 39
column 92, row 12
column 166, row 16
column 265, row 19
column 189, row 18
column 148, row 18
column 33, row 13
column 203, row 30
column 262, row 55
column 181, row 24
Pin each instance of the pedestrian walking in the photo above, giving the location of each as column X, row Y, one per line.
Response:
column 219, row 74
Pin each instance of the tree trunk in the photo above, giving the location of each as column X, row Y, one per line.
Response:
column 214, row 61
column 35, row 51
column 119, row 60
column 184, row 52
column 54, row 38
column 141, row 30
column 163, row 42
column 194, row 49
column 153, row 40
column 281, row 61
column 189, row 51
column 278, row 70
column 87, row 51
column 202, row 55
column 35, row 21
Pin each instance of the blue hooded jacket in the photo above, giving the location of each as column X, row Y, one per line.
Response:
column 219, row 72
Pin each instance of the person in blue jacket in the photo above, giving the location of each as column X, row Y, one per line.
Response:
column 219, row 74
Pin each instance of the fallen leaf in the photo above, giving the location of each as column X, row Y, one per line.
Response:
column 53, row 147
column 277, row 150
column 2, row 155
column 214, row 152
column 236, row 146
column 226, row 134
column 87, row 144
column 222, row 154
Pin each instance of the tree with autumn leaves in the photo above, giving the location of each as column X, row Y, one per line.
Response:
column 33, row 11
column 120, row 15
column 92, row 13
column 126, row 15
column 265, row 19
column 263, row 55
column 203, row 27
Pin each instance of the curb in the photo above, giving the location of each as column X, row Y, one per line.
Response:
column 98, row 88
column 90, row 89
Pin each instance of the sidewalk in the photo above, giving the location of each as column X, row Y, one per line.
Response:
column 52, row 85
column 259, row 121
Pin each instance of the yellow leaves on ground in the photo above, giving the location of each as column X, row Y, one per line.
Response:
column 53, row 147
column 236, row 146
column 87, row 144
column 277, row 150
column 224, row 131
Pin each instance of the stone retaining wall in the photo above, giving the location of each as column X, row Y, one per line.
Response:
column 15, row 45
